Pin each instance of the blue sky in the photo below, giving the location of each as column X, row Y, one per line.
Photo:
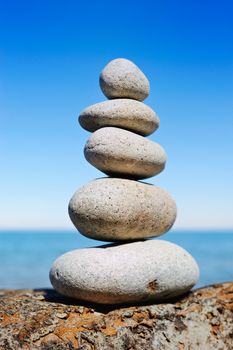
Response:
column 51, row 55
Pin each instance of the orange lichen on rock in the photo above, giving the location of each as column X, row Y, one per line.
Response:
column 6, row 319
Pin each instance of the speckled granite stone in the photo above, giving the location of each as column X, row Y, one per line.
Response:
column 122, row 153
column 140, row 271
column 123, row 113
column 121, row 78
column 112, row 209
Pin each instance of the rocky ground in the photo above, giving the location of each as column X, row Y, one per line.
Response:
column 42, row 319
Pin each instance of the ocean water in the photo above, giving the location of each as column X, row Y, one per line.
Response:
column 26, row 257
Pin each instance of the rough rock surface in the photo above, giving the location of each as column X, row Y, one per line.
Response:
column 122, row 153
column 203, row 320
column 134, row 272
column 121, row 78
column 123, row 113
column 113, row 209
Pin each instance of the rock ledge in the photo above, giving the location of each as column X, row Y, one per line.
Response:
column 42, row 319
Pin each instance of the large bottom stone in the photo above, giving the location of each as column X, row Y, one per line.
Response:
column 151, row 270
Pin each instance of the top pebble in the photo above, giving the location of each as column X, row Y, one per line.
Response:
column 121, row 78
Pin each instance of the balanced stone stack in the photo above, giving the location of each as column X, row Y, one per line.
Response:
column 121, row 209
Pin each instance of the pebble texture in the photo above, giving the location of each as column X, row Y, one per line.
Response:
column 44, row 320
column 122, row 153
column 112, row 209
column 133, row 272
column 121, row 78
column 123, row 113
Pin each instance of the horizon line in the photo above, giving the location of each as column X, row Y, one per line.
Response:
column 70, row 230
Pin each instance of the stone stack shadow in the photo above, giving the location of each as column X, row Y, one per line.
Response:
column 121, row 209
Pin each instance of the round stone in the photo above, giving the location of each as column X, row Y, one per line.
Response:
column 121, row 78
column 112, row 209
column 122, row 153
column 123, row 113
column 153, row 270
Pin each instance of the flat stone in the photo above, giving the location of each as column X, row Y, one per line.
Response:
column 152, row 270
column 112, row 209
column 118, row 152
column 121, row 78
column 123, row 113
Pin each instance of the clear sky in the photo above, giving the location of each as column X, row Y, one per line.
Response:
column 51, row 55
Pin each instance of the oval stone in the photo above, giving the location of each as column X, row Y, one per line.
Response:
column 122, row 153
column 121, row 78
column 112, row 209
column 135, row 272
column 123, row 113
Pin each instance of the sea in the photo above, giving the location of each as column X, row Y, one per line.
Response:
column 26, row 257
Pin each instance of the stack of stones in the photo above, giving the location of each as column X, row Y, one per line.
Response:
column 121, row 209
